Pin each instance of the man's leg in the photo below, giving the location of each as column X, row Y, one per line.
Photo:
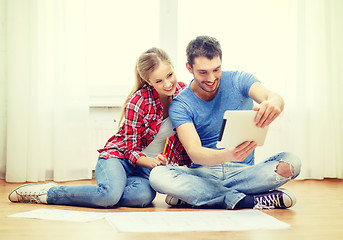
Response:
column 190, row 185
column 265, row 176
column 257, row 181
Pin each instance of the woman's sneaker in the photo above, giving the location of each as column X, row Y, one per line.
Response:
column 31, row 193
column 278, row 198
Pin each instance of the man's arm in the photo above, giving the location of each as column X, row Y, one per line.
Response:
column 271, row 104
column 207, row 156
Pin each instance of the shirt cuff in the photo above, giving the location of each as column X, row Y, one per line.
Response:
column 134, row 156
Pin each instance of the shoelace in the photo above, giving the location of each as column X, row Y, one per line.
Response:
column 28, row 198
column 268, row 202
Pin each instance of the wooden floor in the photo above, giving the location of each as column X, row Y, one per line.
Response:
column 318, row 214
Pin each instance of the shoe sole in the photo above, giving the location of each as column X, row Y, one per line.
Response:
column 289, row 195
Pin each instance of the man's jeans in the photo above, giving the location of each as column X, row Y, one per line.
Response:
column 118, row 184
column 224, row 185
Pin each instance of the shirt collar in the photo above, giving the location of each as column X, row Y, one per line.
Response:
column 153, row 93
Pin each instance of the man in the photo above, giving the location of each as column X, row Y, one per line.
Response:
column 224, row 178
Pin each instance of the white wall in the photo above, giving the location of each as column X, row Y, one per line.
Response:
column 103, row 124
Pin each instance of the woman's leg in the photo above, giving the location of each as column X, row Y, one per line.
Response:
column 111, row 181
column 137, row 192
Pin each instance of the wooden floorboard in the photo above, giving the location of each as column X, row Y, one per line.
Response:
column 318, row 214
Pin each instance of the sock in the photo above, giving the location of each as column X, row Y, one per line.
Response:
column 43, row 198
column 246, row 202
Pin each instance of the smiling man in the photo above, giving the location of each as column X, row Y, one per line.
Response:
column 225, row 178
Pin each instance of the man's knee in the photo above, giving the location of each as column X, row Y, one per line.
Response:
column 290, row 167
column 285, row 169
column 162, row 177
column 154, row 174
column 155, row 177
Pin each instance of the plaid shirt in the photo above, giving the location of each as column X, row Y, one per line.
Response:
column 142, row 121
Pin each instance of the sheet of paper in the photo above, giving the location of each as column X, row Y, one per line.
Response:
column 237, row 220
column 61, row 215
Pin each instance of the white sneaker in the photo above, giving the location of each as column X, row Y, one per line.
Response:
column 31, row 193
column 175, row 202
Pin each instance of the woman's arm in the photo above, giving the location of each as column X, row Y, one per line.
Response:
column 133, row 128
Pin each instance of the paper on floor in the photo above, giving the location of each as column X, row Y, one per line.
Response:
column 175, row 221
column 61, row 215
column 237, row 220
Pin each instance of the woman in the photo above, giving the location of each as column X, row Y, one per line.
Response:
column 124, row 164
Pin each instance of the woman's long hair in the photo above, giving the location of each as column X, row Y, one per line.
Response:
column 148, row 62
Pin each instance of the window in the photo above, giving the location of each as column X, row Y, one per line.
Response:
column 117, row 32
column 253, row 35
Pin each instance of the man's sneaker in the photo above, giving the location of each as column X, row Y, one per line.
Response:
column 175, row 202
column 278, row 198
column 31, row 193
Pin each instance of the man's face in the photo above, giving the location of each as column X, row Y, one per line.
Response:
column 207, row 74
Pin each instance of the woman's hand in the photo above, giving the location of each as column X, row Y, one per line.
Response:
column 159, row 160
column 151, row 162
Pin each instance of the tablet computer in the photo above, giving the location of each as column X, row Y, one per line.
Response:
column 239, row 126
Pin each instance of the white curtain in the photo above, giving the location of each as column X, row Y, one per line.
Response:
column 295, row 47
column 3, row 93
column 315, row 80
column 312, row 123
column 47, row 100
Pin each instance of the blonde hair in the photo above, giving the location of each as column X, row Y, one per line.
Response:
column 148, row 62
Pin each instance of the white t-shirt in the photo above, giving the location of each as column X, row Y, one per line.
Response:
column 157, row 145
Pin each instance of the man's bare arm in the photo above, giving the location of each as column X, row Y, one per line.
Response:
column 207, row 156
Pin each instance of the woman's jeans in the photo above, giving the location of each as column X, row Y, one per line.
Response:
column 224, row 185
column 118, row 184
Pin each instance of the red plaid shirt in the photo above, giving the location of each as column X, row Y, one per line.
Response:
column 142, row 121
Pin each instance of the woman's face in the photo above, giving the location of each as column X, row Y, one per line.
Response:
column 163, row 79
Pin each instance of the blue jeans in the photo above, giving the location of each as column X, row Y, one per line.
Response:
column 224, row 185
column 118, row 184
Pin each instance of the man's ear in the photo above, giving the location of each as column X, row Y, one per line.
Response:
column 189, row 68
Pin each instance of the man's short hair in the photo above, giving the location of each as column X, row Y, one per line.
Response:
column 204, row 46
